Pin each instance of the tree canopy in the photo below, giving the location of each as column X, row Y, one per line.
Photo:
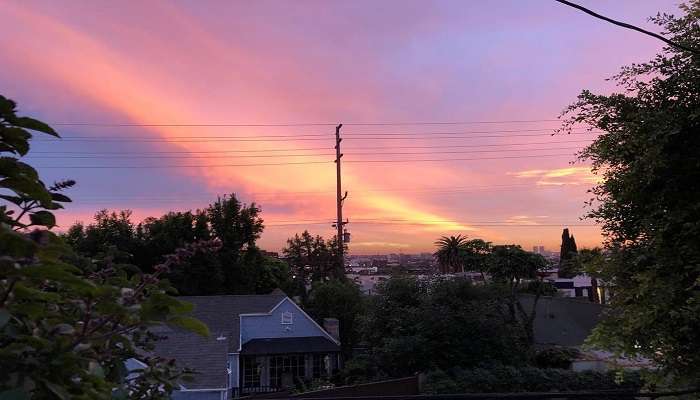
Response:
column 239, row 267
column 312, row 259
column 648, row 200
column 412, row 326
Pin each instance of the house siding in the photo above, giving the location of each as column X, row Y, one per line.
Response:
column 269, row 326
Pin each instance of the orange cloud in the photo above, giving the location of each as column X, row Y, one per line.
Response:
column 559, row 176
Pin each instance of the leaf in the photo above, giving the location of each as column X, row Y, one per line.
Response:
column 14, row 394
column 190, row 324
column 60, row 197
column 43, row 218
column 28, row 187
column 12, row 199
column 7, row 107
column 17, row 139
column 12, row 167
column 33, row 124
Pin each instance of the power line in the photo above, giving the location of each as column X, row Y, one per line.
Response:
column 428, row 189
column 289, row 163
column 224, row 139
column 252, row 125
column 485, row 189
column 100, row 137
column 302, row 155
column 629, row 26
column 455, row 159
column 309, row 148
column 446, row 222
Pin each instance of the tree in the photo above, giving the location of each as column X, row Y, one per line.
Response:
column 341, row 299
column 238, row 268
column 566, row 254
column 450, row 253
column 592, row 262
column 476, row 256
column 66, row 330
column 648, row 198
column 112, row 233
column 312, row 259
column 510, row 268
column 412, row 326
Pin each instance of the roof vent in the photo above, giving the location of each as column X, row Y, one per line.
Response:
column 221, row 337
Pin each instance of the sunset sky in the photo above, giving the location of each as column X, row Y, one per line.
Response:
column 290, row 71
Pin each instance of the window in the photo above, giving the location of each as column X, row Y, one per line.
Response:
column 283, row 368
column 251, row 372
column 321, row 363
column 287, row 318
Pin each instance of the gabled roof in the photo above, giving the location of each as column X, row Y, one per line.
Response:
column 221, row 313
column 208, row 355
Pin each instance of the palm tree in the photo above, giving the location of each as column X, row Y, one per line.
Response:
column 450, row 253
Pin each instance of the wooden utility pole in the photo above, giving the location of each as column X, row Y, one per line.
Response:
column 339, row 198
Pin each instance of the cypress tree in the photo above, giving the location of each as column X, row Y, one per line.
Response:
column 567, row 252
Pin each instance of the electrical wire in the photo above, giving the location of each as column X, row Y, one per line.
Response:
column 325, row 135
column 299, row 124
column 222, row 139
column 301, row 155
column 291, row 163
column 310, row 148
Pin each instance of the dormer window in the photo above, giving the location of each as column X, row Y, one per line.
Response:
column 287, row 318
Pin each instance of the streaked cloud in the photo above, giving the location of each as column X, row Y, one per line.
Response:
column 558, row 176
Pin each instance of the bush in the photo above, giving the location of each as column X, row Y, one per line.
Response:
column 556, row 358
column 528, row 379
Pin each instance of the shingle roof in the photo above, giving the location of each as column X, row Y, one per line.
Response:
column 208, row 356
column 563, row 321
column 221, row 313
column 310, row 344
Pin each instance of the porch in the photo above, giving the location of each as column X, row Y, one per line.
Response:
column 270, row 365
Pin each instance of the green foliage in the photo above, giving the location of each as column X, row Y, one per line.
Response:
column 361, row 368
column 28, row 198
column 312, row 259
column 239, row 267
column 556, row 357
column 68, row 325
column 510, row 267
column 504, row 379
column 648, row 201
column 339, row 299
column 412, row 326
column 567, row 268
column 450, row 253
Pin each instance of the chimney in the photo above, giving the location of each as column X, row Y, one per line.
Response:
column 332, row 326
